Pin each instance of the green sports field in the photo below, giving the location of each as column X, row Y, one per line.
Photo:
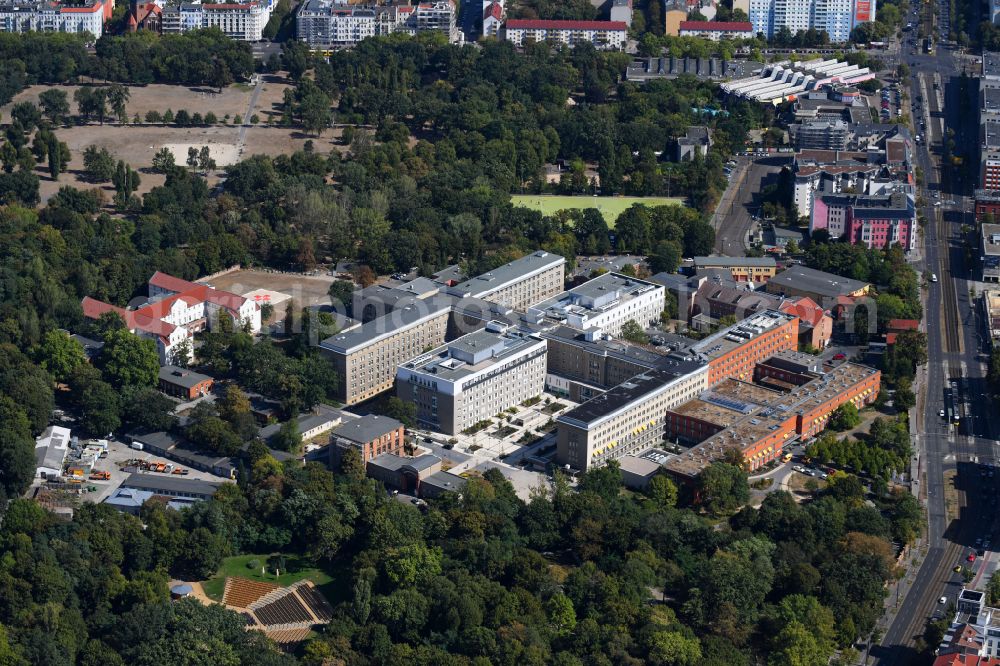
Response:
column 610, row 207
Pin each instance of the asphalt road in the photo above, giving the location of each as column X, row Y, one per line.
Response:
column 953, row 355
column 734, row 214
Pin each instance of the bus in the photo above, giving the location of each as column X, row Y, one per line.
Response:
column 949, row 405
column 927, row 45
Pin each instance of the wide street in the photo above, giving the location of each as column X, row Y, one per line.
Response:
column 734, row 215
column 949, row 456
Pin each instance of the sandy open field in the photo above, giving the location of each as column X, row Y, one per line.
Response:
column 159, row 97
column 304, row 290
column 136, row 144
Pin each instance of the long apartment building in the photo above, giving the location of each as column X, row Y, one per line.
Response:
column 328, row 24
column 608, row 35
column 836, row 17
column 243, row 21
column 474, row 377
column 176, row 310
column 606, row 303
column 631, row 417
column 55, row 17
column 401, row 323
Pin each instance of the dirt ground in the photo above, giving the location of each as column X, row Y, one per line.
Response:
column 160, row 97
column 136, row 144
column 303, row 289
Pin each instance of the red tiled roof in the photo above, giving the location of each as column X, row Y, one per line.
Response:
column 805, row 309
column 170, row 283
column 718, row 26
column 149, row 318
column 533, row 24
column 495, row 10
column 957, row 659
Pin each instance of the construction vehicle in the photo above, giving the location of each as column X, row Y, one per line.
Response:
column 100, row 476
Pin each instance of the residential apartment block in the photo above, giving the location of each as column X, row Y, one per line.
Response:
column 836, row 17
column 606, row 303
column 872, row 221
column 330, row 24
column 326, row 25
column 54, row 17
column 474, row 377
column 176, row 310
column 716, row 30
column 609, row 35
column 242, row 21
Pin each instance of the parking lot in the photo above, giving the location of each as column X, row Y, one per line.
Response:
column 118, row 454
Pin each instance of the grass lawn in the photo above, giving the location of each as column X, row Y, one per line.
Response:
column 610, row 207
column 237, row 566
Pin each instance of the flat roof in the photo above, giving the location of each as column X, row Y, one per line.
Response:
column 750, row 422
column 168, row 483
column 724, row 341
column 601, row 294
column 622, row 349
column 801, row 278
column 639, row 466
column 392, row 462
column 991, row 64
column 443, row 481
column 411, row 314
column 472, row 353
column 509, row 273
column 991, row 231
column 366, row 428
column 641, row 386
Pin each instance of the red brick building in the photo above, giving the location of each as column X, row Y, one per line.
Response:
column 183, row 383
column 370, row 435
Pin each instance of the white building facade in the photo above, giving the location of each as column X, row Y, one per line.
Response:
column 607, row 35
column 836, row 17
column 44, row 17
column 473, row 378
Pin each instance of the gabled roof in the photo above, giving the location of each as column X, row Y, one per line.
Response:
column 495, row 10
column 170, row 283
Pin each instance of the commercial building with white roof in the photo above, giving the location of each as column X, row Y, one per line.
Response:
column 784, row 81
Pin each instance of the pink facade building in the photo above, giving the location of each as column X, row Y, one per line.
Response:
column 872, row 221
